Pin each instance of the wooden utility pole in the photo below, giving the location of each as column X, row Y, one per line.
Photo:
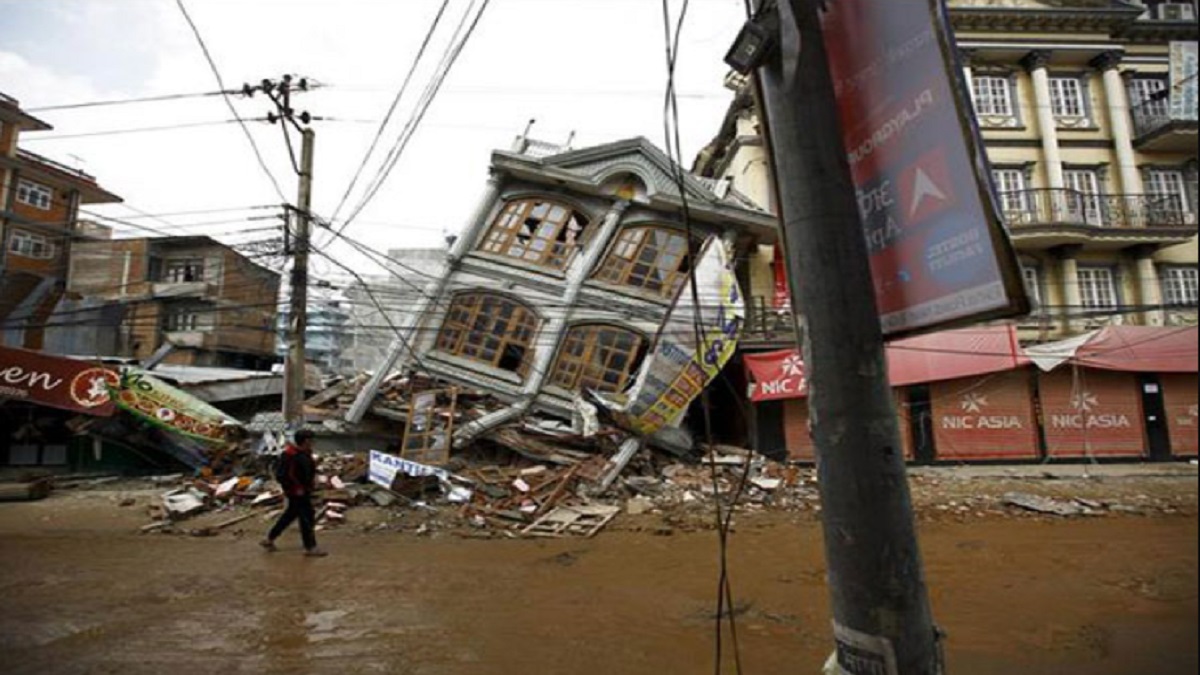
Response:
column 294, row 366
column 881, row 614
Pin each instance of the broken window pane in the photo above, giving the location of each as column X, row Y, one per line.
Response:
column 598, row 357
column 649, row 258
column 492, row 329
column 536, row 231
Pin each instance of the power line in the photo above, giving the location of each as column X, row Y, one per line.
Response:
column 229, row 103
column 133, row 130
column 392, row 108
column 450, row 56
column 125, row 101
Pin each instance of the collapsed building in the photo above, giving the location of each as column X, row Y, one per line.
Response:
column 573, row 277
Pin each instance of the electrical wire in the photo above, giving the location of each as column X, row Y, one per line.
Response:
column 229, row 103
column 135, row 130
column 449, row 58
column 125, row 101
column 387, row 118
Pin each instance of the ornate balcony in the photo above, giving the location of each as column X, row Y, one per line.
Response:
column 1039, row 219
column 768, row 326
column 1157, row 127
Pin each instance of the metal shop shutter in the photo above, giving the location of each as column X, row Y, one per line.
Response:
column 985, row 418
column 1092, row 413
column 1180, row 396
column 799, row 442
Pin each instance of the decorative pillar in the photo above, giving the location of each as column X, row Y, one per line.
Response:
column 1072, row 295
column 1150, row 289
column 968, row 72
column 1035, row 62
column 1119, row 119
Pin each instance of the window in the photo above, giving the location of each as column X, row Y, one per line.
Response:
column 181, row 270
column 650, row 258
column 1085, row 202
column 993, row 96
column 1010, row 184
column 597, row 357
column 1168, row 190
column 1149, row 96
column 540, row 232
column 30, row 245
column 1033, row 286
column 1066, row 97
column 181, row 320
column 1180, row 286
column 491, row 329
column 1097, row 288
column 34, row 194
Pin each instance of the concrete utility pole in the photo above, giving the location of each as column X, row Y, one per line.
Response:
column 293, row 392
column 280, row 94
column 881, row 614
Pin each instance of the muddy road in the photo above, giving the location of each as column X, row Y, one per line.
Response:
column 83, row 592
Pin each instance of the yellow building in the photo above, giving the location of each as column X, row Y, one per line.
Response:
column 1088, row 113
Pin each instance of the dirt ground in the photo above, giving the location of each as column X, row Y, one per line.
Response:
column 1018, row 593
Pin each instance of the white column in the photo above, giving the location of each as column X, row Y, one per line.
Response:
column 1119, row 120
column 1072, row 296
column 1150, row 290
column 969, row 75
column 1036, row 63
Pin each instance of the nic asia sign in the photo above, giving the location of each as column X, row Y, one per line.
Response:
column 939, row 252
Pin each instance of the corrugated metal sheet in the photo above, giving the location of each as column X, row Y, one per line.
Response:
column 985, row 418
column 1092, row 413
column 1183, row 417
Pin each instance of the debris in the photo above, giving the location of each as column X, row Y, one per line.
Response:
column 1046, row 505
column 183, row 502
column 572, row 521
column 26, row 491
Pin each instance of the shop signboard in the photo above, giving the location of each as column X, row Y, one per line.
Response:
column 55, row 381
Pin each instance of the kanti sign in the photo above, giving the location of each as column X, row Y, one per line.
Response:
column 56, row 382
column 939, row 251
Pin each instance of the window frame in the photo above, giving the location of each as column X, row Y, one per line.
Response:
column 503, row 236
column 620, row 266
column 1089, row 279
column 1012, row 200
column 1178, row 282
column 468, row 332
column 1092, row 194
column 34, row 194
column 583, row 370
column 32, row 241
column 172, row 267
column 182, row 319
column 1174, row 191
column 994, row 95
column 1068, row 105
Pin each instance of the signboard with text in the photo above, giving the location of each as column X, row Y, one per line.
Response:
column 939, row 251
column 54, row 381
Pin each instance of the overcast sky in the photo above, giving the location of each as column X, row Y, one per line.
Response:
column 595, row 68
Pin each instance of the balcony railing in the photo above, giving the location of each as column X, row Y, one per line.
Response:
column 765, row 323
column 1031, row 208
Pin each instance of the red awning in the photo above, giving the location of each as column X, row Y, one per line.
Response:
column 1136, row 349
column 948, row 355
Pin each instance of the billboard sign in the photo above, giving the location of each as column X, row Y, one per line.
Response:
column 166, row 407
column 54, row 381
column 940, row 254
column 1184, row 83
column 680, row 366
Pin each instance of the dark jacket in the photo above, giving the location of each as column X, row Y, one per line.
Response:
column 297, row 472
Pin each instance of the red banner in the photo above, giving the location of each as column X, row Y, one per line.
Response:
column 55, row 381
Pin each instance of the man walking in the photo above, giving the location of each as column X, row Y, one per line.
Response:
column 297, row 474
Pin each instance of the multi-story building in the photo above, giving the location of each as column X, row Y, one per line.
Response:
column 39, row 224
column 567, row 273
column 213, row 305
column 329, row 333
column 1088, row 114
column 379, row 306
column 1087, row 109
